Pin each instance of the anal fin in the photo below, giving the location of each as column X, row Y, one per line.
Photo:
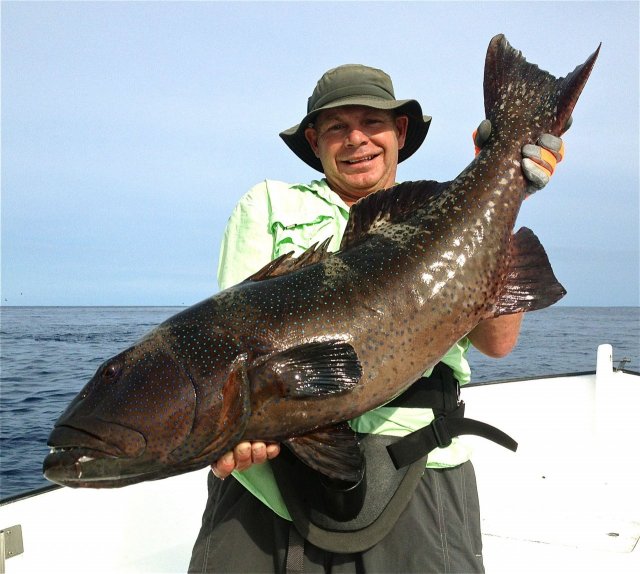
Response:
column 332, row 451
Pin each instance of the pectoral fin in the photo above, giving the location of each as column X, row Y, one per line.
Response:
column 333, row 451
column 310, row 370
column 531, row 283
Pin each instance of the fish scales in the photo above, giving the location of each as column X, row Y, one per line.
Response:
column 310, row 342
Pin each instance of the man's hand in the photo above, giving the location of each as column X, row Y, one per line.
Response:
column 243, row 456
column 538, row 161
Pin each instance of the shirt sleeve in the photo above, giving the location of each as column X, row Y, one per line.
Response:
column 247, row 244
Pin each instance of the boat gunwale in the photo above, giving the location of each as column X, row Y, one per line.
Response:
column 29, row 494
column 540, row 377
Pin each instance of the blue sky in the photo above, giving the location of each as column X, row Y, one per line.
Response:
column 130, row 130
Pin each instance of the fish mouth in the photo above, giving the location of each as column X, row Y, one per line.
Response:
column 81, row 458
column 68, row 464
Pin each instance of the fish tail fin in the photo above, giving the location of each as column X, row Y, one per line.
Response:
column 543, row 101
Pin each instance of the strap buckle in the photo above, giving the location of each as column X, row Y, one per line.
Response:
column 441, row 432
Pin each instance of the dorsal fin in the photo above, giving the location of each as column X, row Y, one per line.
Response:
column 391, row 205
column 287, row 263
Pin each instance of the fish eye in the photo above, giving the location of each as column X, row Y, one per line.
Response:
column 111, row 371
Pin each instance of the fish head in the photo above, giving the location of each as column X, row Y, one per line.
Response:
column 137, row 408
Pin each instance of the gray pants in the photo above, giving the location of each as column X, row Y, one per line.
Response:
column 438, row 532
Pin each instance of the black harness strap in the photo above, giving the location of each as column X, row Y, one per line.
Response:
column 295, row 552
column 440, row 433
column 441, row 392
column 351, row 518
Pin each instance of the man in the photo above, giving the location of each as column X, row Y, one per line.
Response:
column 356, row 133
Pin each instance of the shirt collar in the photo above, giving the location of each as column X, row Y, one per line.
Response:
column 321, row 188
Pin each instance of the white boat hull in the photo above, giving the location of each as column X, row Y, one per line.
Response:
column 568, row 500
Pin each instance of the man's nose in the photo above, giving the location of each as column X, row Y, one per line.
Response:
column 355, row 137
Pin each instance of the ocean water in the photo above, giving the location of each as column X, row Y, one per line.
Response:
column 47, row 354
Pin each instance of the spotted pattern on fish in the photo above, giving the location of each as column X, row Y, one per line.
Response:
column 309, row 342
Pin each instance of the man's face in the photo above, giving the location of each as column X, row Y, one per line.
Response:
column 358, row 147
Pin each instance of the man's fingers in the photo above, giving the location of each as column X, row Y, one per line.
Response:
column 258, row 452
column 273, row 450
column 539, row 161
column 545, row 159
column 243, row 456
column 538, row 176
column 224, row 466
column 553, row 145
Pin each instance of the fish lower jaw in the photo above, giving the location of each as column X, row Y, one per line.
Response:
column 66, row 464
column 86, row 468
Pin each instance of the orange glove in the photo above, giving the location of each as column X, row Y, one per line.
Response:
column 538, row 161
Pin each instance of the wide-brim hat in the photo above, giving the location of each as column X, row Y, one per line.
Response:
column 356, row 85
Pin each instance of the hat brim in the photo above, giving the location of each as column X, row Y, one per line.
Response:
column 416, row 130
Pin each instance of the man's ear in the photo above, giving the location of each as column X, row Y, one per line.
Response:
column 311, row 135
column 402, row 125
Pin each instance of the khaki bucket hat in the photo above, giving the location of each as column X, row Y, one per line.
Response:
column 356, row 85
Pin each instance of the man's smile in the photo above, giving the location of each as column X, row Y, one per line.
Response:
column 355, row 161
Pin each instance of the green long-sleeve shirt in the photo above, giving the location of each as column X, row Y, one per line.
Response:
column 274, row 218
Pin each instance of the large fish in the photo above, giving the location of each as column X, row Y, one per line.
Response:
column 310, row 342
